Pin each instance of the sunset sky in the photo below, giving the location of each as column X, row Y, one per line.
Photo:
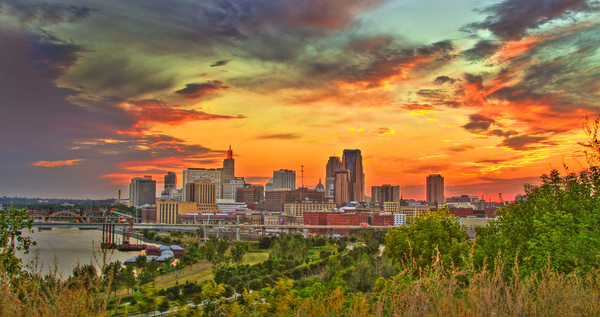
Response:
column 490, row 94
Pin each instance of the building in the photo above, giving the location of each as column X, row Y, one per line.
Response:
column 352, row 161
column 274, row 200
column 320, row 187
column 193, row 174
column 409, row 211
column 385, row 193
column 219, row 176
column 341, row 187
column 333, row 165
column 148, row 214
column 202, row 192
column 284, row 179
column 142, row 191
column 167, row 211
column 297, row 209
column 250, row 194
column 230, row 189
column 381, row 220
column 170, row 181
column 399, row 220
column 435, row 189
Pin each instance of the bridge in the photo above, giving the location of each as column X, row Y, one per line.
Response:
column 84, row 217
column 237, row 228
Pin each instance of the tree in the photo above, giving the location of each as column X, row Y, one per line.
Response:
column 140, row 261
column 128, row 277
column 11, row 222
column 555, row 226
column 163, row 306
column 237, row 253
column 429, row 235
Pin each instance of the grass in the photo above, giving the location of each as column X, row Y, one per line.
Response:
column 206, row 273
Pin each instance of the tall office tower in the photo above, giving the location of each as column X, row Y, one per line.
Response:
column 284, row 179
column 435, row 189
column 202, row 192
column 142, row 191
column 193, row 174
column 342, row 187
column 352, row 161
column 170, row 181
column 385, row 193
column 333, row 165
column 228, row 171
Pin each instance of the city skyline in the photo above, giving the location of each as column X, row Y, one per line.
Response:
column 489, row 94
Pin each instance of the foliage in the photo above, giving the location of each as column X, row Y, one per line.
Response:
column 12, row 220
column 237, row 252
column 556, row 226
column 429, row 236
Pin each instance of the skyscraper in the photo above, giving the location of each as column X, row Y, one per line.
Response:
column 352, row 161
column 385, row 193
column 284, row 179
column 170, row 181
column 435, row 189
column 342, row 187
column 142, row 191
column 333, row 165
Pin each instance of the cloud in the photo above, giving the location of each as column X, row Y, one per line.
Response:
column 44, row 14
column 158, row 111
column 54, row 58
column 526, row 142
column 197, row 91
column 513, row 19
column 440, row 80
column 459, row 148
column 279, row 136
column 478, row 123
column 56, row 163
column 222, row 62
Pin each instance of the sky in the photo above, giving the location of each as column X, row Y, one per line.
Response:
column 490, row 94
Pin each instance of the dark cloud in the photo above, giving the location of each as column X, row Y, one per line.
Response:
column 525, row 142
column 198, row 91
column 377, row 68
column 119, row 76
column 440, row 80
column 481, row 51
column 432, row 93
column 279, row 136
column 478, row 123
column 54, row 58
column 459, row 148
column 158, row 111
column 44, row 14
column 222, row 62
column 429, row 169
column 418, row 106
column 513, row 19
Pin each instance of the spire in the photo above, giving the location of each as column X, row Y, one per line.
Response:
column 229, row 153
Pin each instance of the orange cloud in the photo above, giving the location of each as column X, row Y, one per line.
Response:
column 57, row 163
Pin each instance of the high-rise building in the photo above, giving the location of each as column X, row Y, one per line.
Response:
column 435, row 189
column 342, row 187
column 284, row 179
column 202, row 192
column 170, row 181
column 230, row 188
column 352, row 161
column 333, row 165
column 142, row 191
column 228, row 170
column 385, row 193
column 218, row 176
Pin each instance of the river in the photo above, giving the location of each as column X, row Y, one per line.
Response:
column 68, row 247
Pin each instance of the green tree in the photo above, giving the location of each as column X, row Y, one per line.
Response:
column 237, row 253
column 11, row 222
column 140, row 261
column 429, row 235
column 128, row 277
column 556, row 226
column 163, row 306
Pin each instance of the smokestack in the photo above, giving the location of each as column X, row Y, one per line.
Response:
column 119, row 202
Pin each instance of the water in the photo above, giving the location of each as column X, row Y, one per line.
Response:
column 68, row 247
